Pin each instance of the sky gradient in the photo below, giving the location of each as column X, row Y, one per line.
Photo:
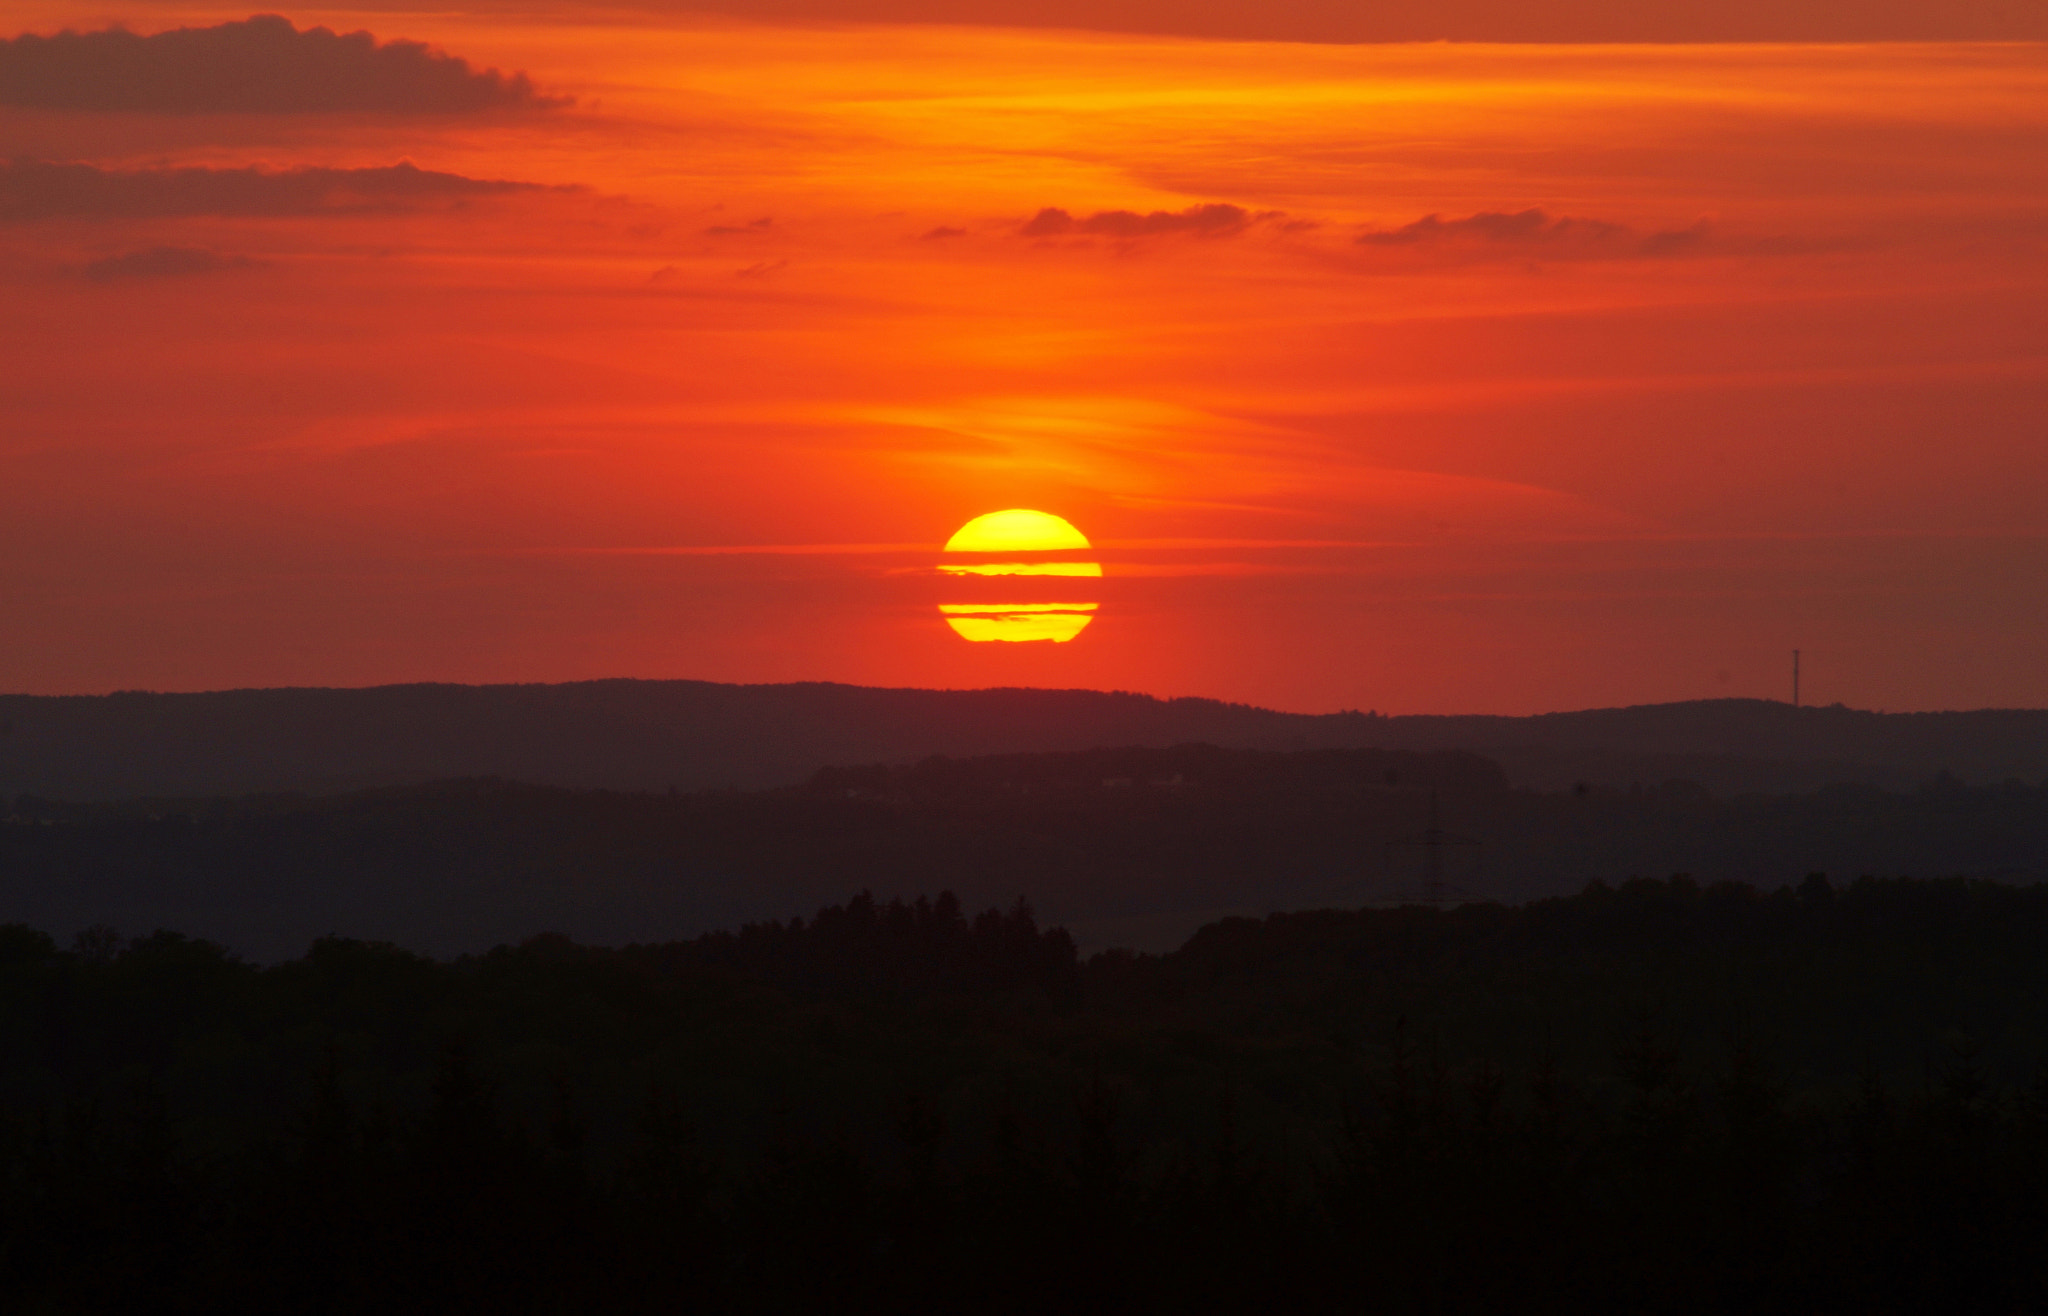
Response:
column 1430, row 377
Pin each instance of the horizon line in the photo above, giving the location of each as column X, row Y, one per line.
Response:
column 995, row 689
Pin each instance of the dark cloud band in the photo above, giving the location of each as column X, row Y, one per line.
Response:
column 33, row 190
column 261, row 65
column 1443, row 20
column 1215, row 220
column 1531, row 232
column 161, row 263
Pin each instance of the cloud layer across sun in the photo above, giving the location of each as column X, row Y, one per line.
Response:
column 357, row 347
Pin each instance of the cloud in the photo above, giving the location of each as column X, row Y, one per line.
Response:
column 1523, row 226
column 1445, row 20
column 162, row 263
column 1215, row 220
column 1534, row 231
column 32, row 190
column 262, row 65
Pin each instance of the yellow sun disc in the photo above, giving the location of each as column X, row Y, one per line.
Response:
column 1017, row 530
column 1024, row 538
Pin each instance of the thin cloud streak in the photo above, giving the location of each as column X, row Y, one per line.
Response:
column 740, row 550
column 935, row 547
column 33, row 190
column 1523, row 233
column 162, row 263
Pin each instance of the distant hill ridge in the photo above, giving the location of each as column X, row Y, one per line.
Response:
column 651, row 735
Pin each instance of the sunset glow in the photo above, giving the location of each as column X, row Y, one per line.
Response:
column 1521, row 376
column 631, row 632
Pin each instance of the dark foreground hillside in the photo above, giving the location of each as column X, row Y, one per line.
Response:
column 1661, row 1097
column 1125, row 847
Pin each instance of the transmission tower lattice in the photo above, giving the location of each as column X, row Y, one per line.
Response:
column 1432, row 841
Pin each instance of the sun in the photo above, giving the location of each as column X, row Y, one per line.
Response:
column 1023, row 538
column 1016, row 530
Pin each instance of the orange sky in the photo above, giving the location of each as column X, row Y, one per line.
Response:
column 1410, row 377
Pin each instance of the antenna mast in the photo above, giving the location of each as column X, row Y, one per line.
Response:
column 1433, row 856
column 1795, row 678
column 1435, row 891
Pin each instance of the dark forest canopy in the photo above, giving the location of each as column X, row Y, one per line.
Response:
column 1657, row 1097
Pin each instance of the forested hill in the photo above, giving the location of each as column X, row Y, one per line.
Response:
column 1655, row 1098
column 1126, row 847
column 652, row 735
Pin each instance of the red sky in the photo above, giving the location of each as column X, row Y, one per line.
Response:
column 1423, row 377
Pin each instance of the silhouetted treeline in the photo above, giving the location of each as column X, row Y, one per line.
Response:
column 1656, row 1097
column 919, row 948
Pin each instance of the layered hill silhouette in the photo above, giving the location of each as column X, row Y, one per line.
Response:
column 1125, row 847
column 692, row 735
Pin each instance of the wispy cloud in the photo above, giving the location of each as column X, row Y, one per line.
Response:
column 162, row 263
column 742, row 550
column 1213, row 220
column 31, row 190
column 1533, row 231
